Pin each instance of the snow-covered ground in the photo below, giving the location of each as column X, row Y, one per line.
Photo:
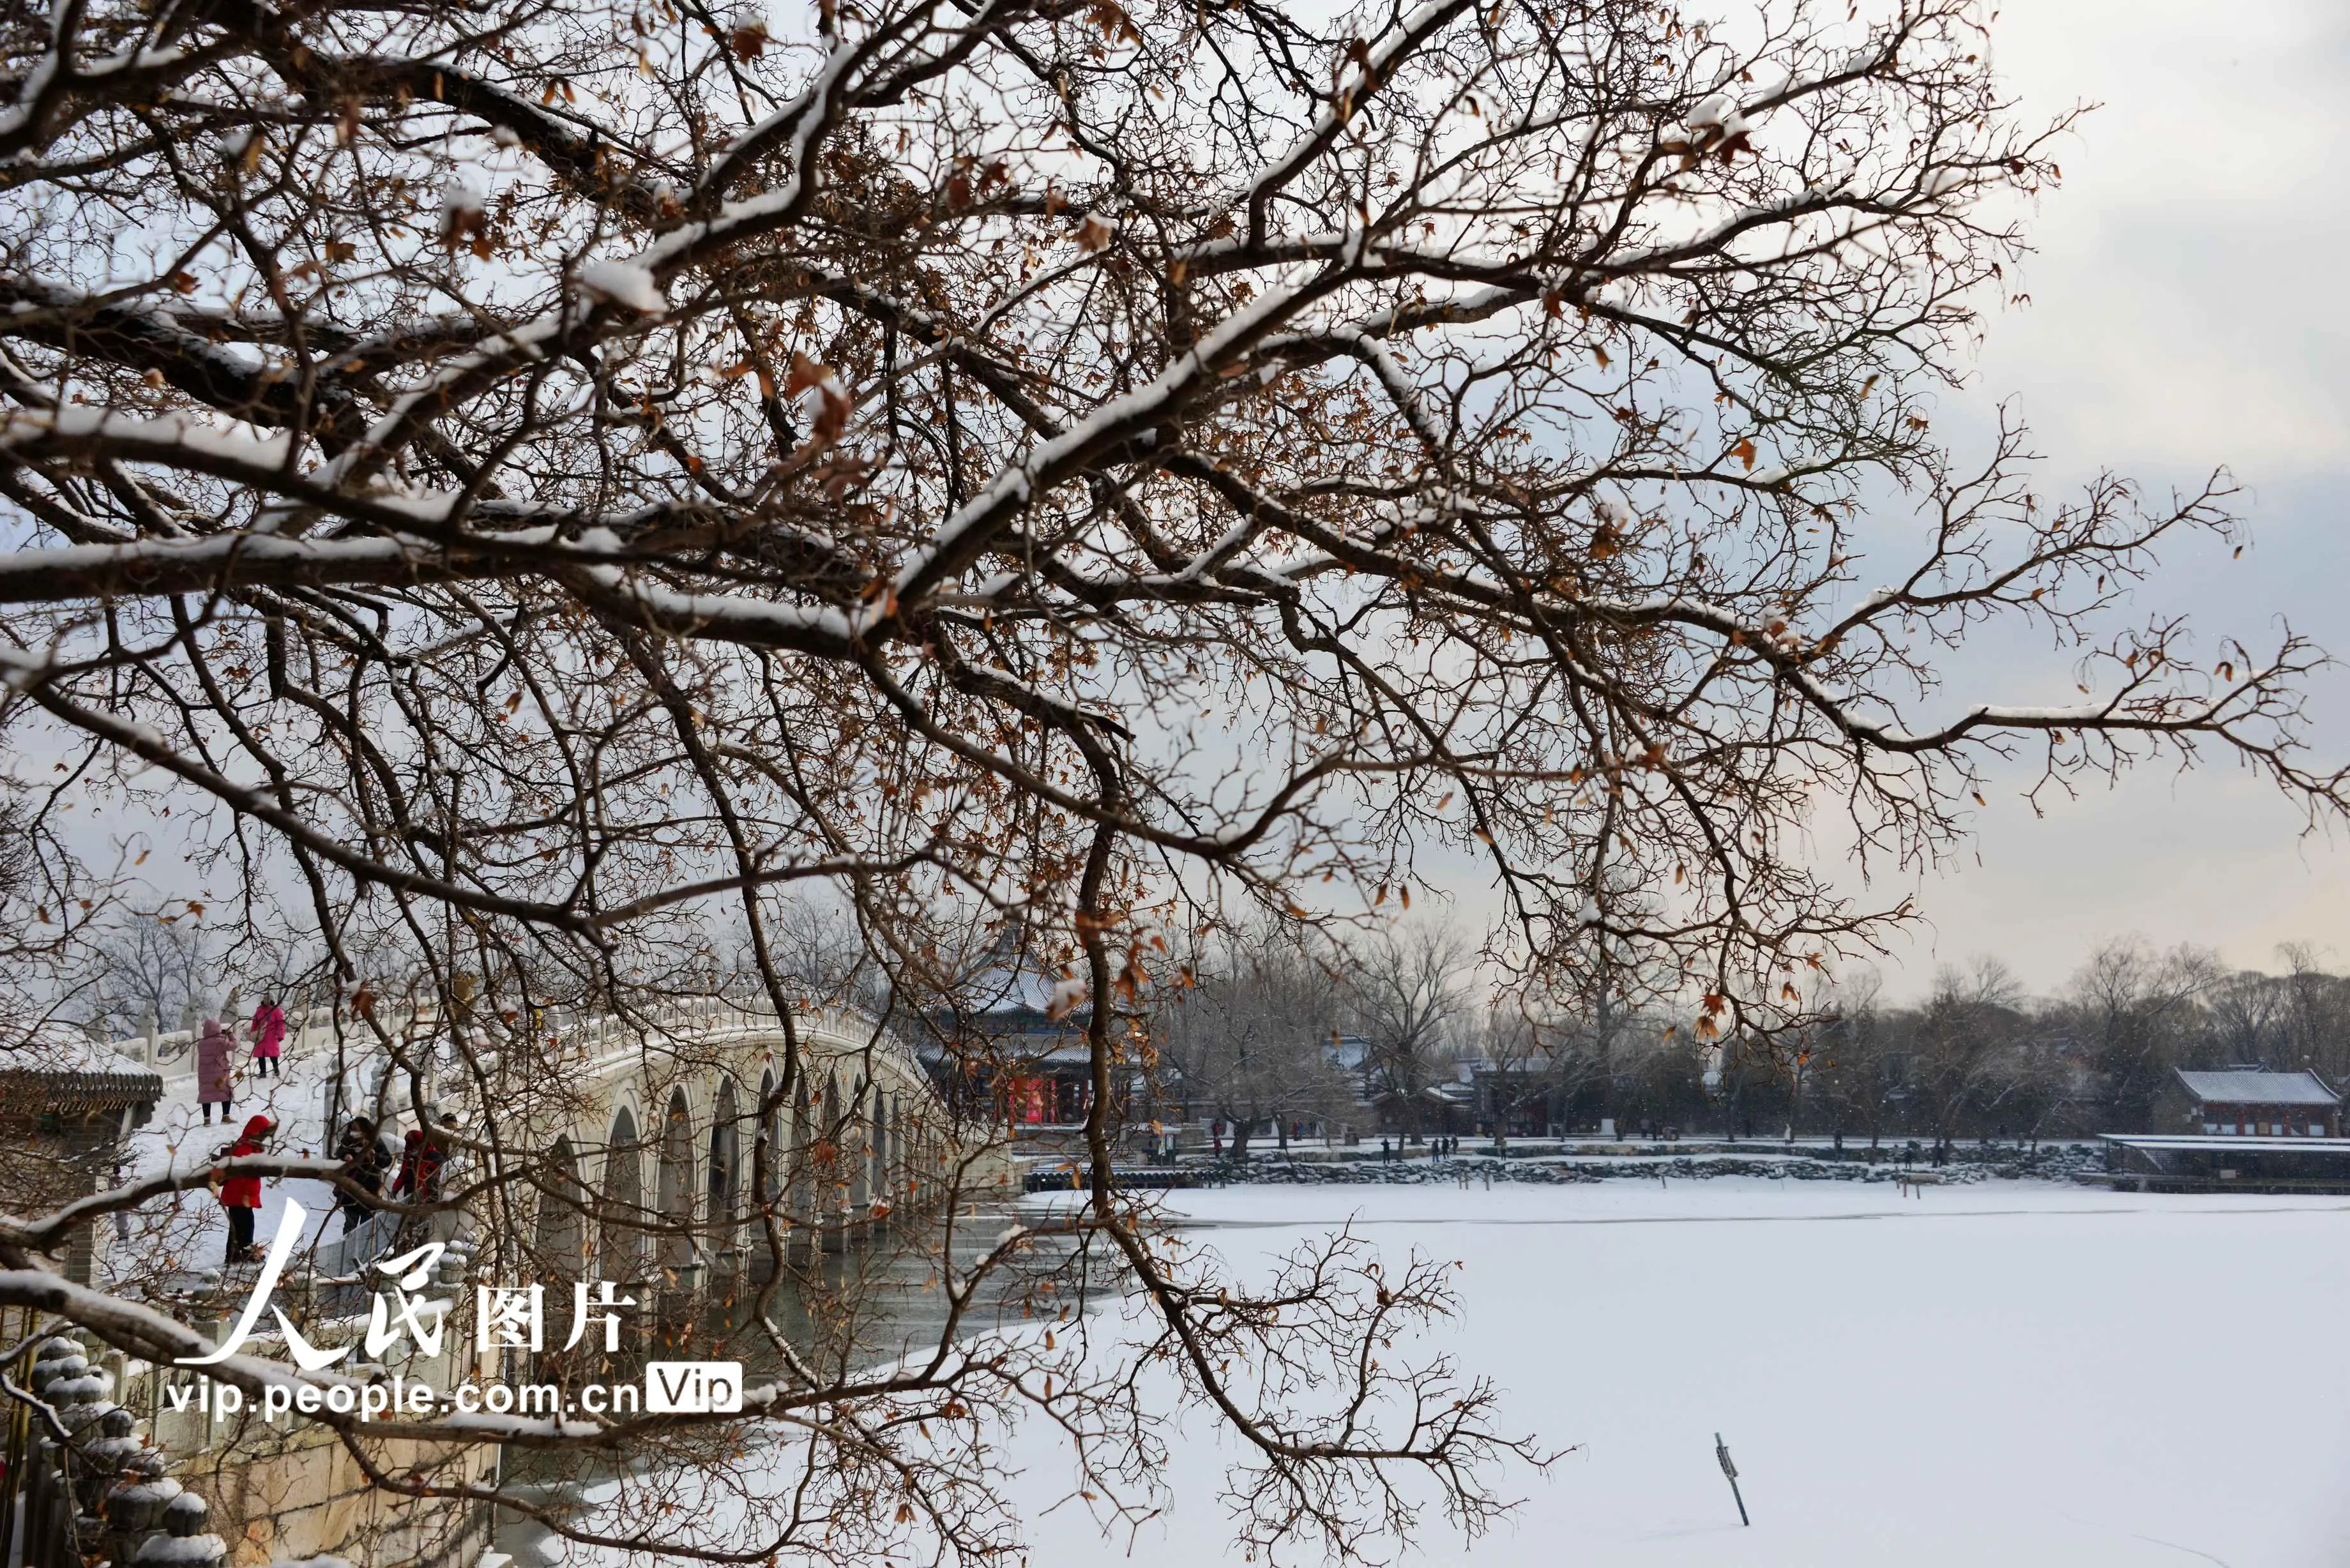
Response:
column 2013, row 1374
column 193, row 1233
column 2009, row 1372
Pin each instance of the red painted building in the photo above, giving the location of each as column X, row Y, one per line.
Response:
column 2252, row 1102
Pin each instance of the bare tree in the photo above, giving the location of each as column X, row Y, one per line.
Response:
column 2315, row 1013
column 1405, row 998
column 814, row 944
column 1661, row 1073
column 1853, row 1072
column 1517, row 1066
column 1547, row 1061
column 512, row 477
column 2247, row 1012
column 1251, row 1038
column 1965, row 1044
column 150, row 969
column 2137, row 1014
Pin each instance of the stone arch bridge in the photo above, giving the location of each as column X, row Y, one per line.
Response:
column 658, row 1116
column 677, row 1134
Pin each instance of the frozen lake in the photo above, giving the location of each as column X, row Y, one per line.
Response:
column 2009, row 1373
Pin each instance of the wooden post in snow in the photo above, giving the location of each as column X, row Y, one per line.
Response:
column 1721, row 1453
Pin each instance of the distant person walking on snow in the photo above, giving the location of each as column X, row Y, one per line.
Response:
column 213, row 1081
column 241, row 1195
column 268, row 1038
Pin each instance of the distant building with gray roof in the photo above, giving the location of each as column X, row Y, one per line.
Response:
column 2253, row 1102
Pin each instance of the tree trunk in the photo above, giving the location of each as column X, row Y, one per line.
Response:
column 1605, row 1054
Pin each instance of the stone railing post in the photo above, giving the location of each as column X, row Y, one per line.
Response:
column 184, row 1542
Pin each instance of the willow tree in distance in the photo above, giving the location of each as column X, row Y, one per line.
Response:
column 533, row 482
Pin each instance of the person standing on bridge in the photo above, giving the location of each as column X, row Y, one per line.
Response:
column 420, row 1169
column 419, row 1182
column 214, row 1081
column 268, row 1038
column 363, row 1162
column 241, row 1195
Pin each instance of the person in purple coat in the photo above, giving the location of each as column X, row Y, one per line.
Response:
column 212, row 1082
column 268, row 1038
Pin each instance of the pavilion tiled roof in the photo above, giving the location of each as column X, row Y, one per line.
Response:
column 2240, row 1086
column 61, row 1070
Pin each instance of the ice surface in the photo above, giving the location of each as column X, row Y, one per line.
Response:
column 2010, row 1373
column 2019, row 1374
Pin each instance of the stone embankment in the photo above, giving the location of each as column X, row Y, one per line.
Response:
column 2050, row 1163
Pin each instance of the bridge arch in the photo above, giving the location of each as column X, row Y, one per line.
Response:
column 661, row 1140
column 799, row 1161
column 560, row 1235
column 674, row 1194
column 770, row 1160
column 724, row 1165
column 621, row 1255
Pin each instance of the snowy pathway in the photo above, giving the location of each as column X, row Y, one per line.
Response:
column 195, row 1235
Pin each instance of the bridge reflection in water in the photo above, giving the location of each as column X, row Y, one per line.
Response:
column 828, row 1313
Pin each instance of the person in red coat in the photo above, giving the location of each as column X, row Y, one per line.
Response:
column 241, row 1195
column 419, row 1182
column 420, row 1169
column 405, row 1183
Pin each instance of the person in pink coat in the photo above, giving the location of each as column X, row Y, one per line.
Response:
column 213, row 1081
column 268, row 1038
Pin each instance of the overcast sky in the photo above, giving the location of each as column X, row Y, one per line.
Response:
column 2188, row 309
